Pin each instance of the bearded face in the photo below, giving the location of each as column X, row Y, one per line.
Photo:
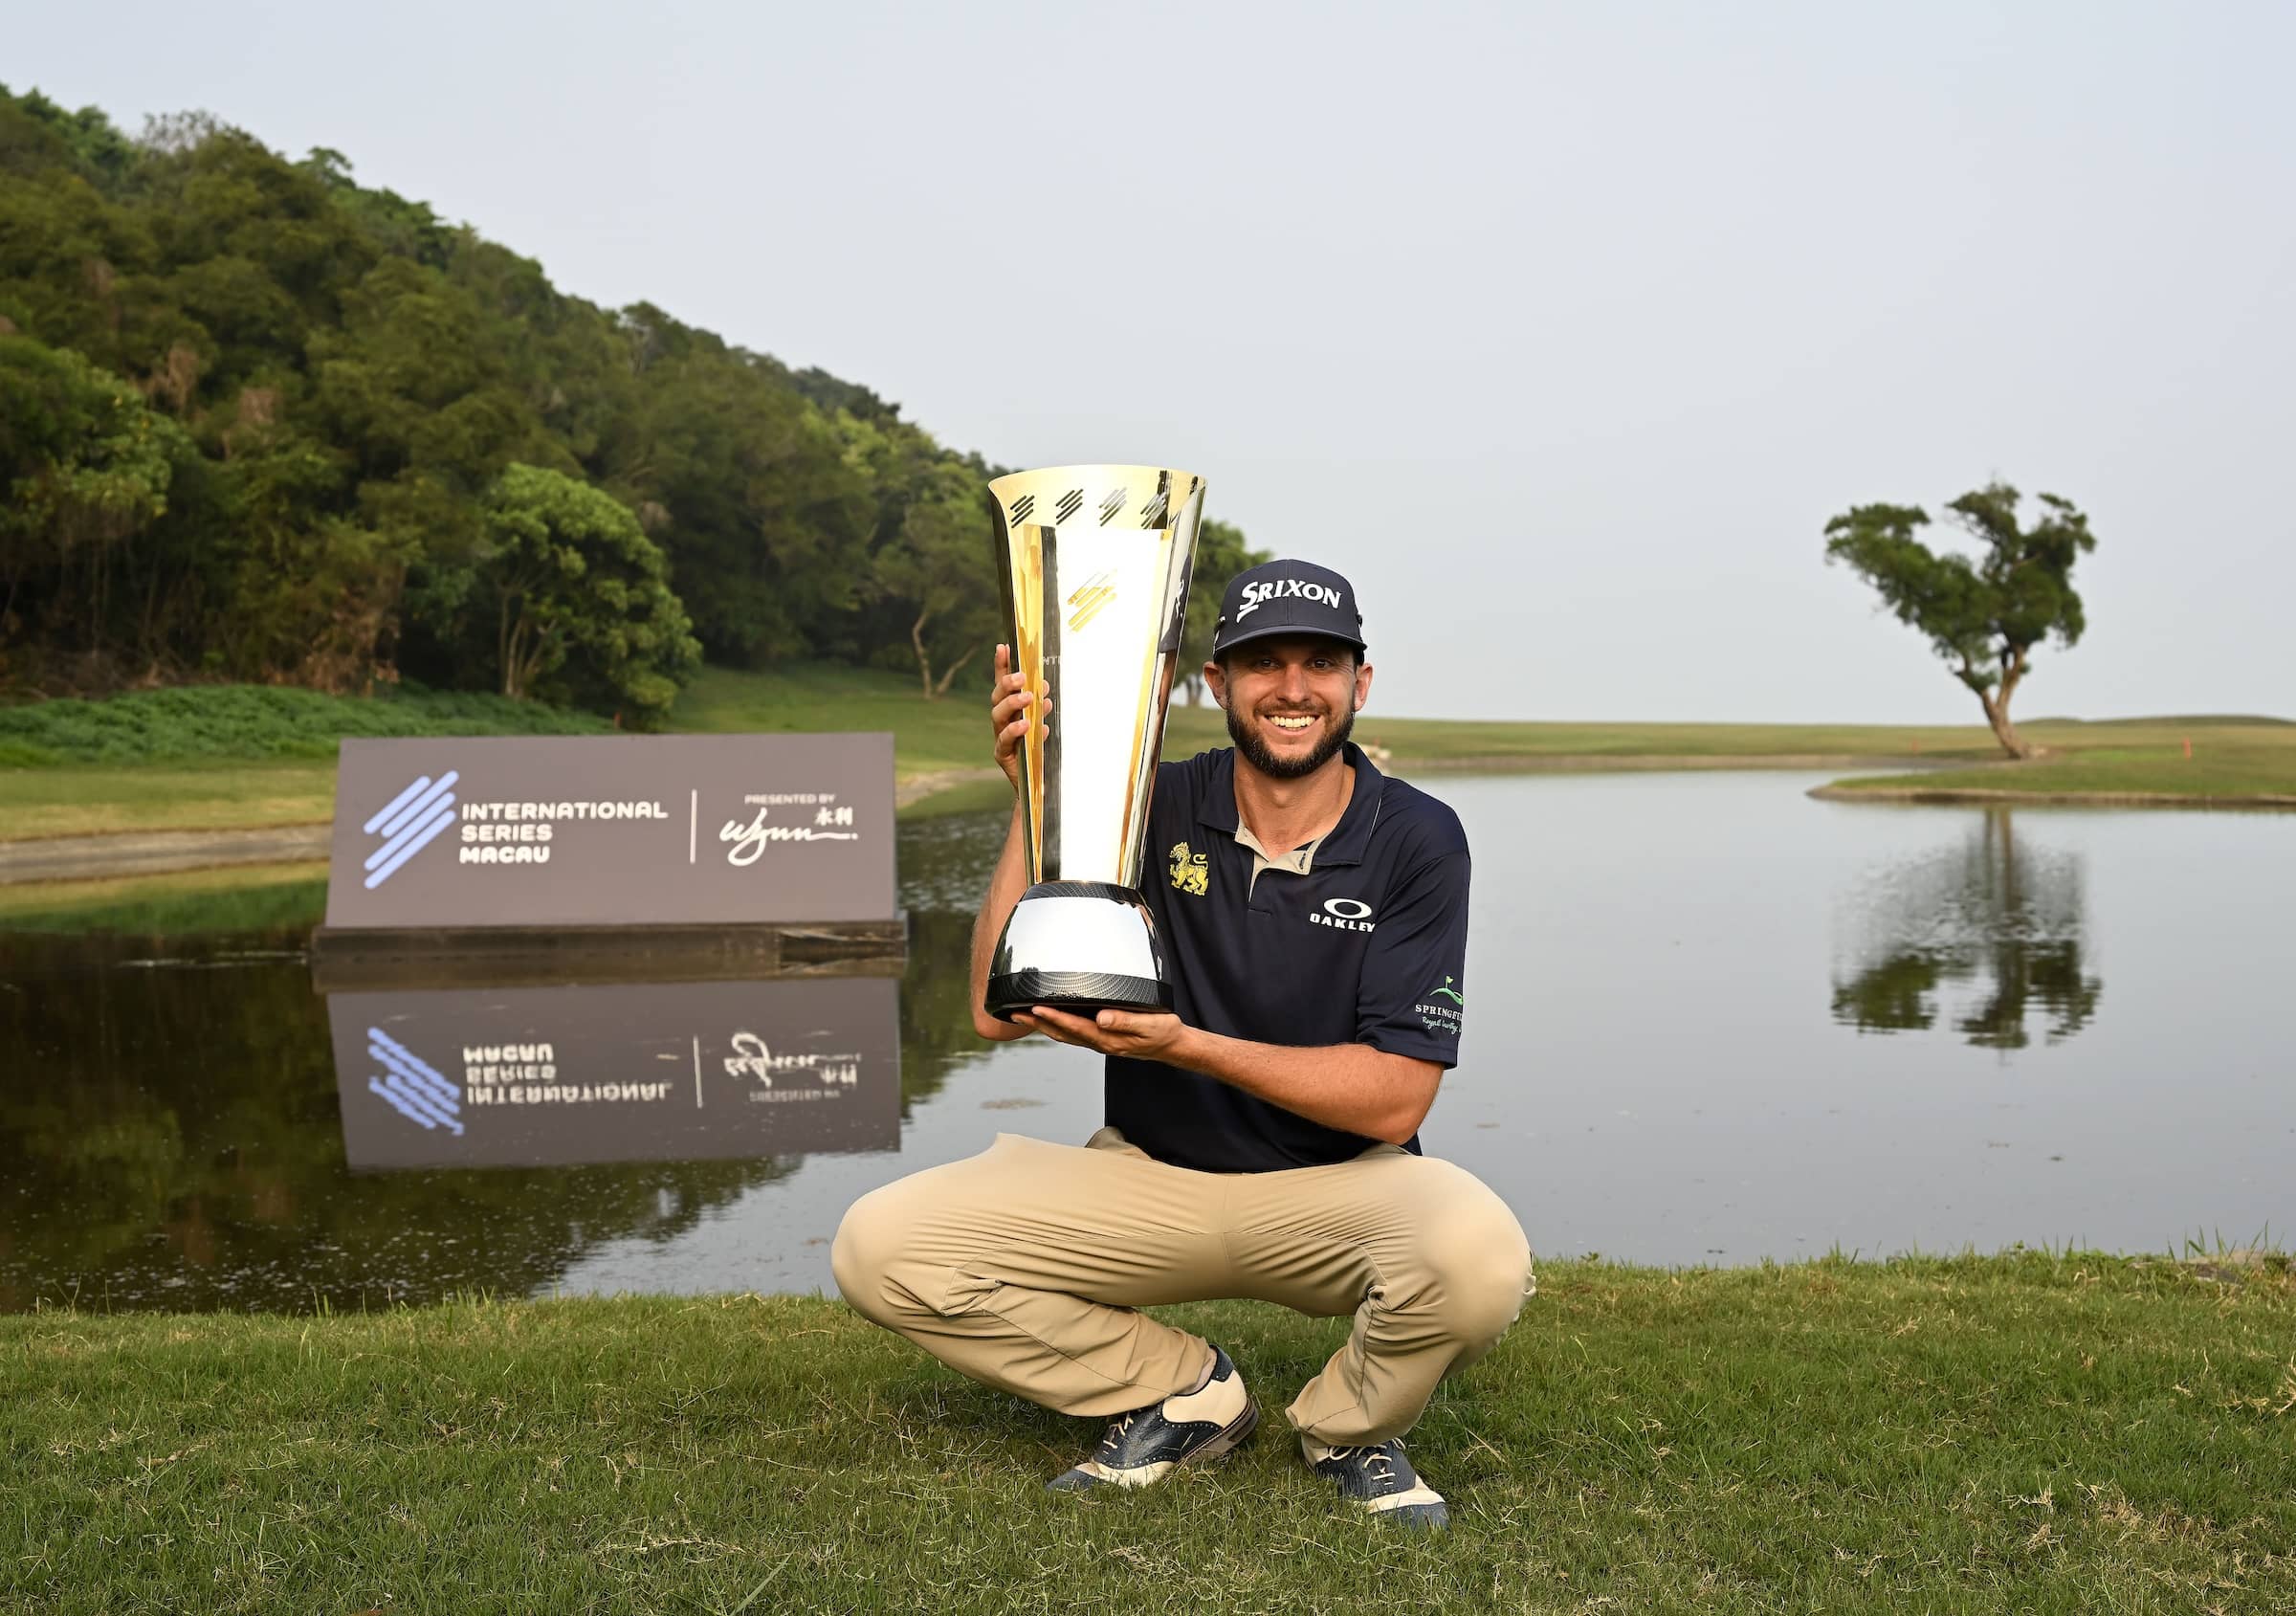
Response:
column 1291, row 702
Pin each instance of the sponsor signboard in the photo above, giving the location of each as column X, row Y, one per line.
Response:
column 630, row 829
column 630, row 1072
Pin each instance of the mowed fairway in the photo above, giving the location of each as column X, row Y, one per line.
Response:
column 82, row 800
column 952, row 732
column 929, row 736
column 2229, row 760
column 2232, row 756
column 940, row 752
column 2062, row 1433
column 225, row 898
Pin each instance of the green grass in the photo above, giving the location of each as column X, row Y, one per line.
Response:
column 952, row 732
column 227, row 897
column 219, row 757
column 2230, row 760
column 2053, row 1432
column 947, row 737
column 265, row 757
column 66, row 801
column 1446, row 740
column 206, row 723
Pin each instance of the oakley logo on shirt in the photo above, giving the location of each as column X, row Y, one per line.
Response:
column 1347, row 914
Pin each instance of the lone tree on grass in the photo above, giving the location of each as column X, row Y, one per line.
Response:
column 1984, row 616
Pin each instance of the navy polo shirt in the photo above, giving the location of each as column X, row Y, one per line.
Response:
column 1368, row 945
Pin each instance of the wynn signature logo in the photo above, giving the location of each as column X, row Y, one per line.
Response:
column 748, row 841
column 752, row 1058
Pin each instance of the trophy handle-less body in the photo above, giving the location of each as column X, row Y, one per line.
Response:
column 1092, row 565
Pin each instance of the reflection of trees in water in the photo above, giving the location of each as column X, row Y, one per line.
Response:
column 171, row 1133
column 946, row 861
column 937, row 1011
column 945, row 864
column 1990, row 910
column 169, row 1137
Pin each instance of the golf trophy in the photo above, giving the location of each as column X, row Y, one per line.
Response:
column 1092, row 565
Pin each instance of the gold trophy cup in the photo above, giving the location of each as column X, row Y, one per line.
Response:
column 1092, row 565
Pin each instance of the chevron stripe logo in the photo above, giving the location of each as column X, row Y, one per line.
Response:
column 1088, row 602
column 408, row 824
column 413, row 1088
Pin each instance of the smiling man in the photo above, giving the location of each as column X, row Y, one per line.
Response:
column 1261, row 1140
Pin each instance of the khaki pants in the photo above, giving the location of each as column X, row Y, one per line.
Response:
column 1024, row 1268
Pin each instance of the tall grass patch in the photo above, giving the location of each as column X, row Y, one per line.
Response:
column 211, row 723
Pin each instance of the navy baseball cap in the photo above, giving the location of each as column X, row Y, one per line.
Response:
column 1288, row 597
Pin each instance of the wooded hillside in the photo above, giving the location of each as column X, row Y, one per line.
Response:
column 259, row 422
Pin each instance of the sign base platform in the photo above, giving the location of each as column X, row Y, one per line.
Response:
column 354, row 957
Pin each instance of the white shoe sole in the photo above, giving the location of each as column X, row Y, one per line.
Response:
column 1225, row 1441
column 1419, row 1495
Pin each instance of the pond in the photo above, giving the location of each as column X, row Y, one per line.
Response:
column 1711, row 1021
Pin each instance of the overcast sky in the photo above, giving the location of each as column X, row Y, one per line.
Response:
column 1561, row 330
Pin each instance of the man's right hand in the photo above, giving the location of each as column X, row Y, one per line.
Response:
column 1013, row 707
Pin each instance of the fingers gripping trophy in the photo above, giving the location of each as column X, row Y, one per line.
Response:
column 1092, row 565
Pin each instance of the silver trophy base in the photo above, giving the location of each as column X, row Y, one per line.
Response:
column 1077, row 945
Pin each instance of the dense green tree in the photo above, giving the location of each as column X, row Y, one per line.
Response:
column 94, row 147
column 939, row 567
column 1220, row 553
column 84, row 466
column 834, row 396
column 1983, row 617
column 748, row 488
column 577, row 594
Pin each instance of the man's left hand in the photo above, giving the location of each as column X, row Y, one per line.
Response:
column 1142, row 1034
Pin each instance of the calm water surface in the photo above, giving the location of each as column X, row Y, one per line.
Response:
column 1709, row 1020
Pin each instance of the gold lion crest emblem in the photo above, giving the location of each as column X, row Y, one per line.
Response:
column 1191, row 873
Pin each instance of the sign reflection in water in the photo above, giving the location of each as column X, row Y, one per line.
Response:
column 1989, row 915
column 621, row 1072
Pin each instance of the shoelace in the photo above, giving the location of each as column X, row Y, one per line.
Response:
column 1117, row 1432
column 1377, row 1460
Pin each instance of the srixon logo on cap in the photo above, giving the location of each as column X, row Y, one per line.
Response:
column 1257, row 595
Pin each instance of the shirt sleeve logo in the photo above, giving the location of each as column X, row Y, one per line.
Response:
column 1437, row 1017
column 1191, row 873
